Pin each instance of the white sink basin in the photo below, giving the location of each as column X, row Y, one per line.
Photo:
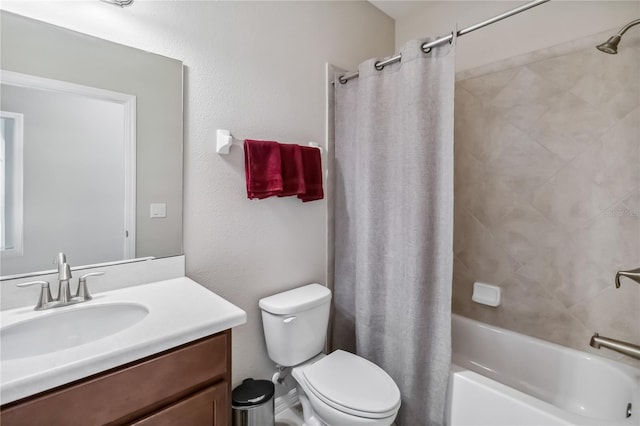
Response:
column 41, row 350
column 75, row 326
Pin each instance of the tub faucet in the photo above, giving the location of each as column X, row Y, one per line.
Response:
column 625, row 348
column 634, row 274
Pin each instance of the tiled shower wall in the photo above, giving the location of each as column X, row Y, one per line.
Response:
column 547, row 192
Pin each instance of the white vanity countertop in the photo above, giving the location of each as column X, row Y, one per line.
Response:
column 180, row 311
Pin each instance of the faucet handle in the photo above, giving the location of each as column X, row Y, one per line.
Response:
column 83, row 291
column 30, row 283
column 633, row 274
column 45, row 293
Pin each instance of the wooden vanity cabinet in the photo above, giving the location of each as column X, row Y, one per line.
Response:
column 188, row 385
column 207, row 407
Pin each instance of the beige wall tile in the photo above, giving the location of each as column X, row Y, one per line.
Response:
column 536, row 312
column 466, row 167
column 488, row 198
column 526, row 234
column 526, row 88
column 580, row 276
column 576, row 119
column 462, row 304
column 614, row 161
column 488, row 86
column 547, row 195
column 524, row 164
column 613, row 313
column 485, row 258
column 471, row 123
column 571, row 198
column 467, row 228
column 612, row 241
column 565, row 70
column 633, row 203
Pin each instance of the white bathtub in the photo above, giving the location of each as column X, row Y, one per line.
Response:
column 500, row 377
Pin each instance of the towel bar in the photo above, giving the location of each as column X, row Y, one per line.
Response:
column 224, row 140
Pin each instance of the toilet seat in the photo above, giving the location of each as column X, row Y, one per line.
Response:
column 352, row 385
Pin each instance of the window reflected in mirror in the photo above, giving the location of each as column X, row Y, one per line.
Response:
column 11, row 165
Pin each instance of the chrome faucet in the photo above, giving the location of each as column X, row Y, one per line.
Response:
column 634, row 274
column 625, row 348
column 46, row 301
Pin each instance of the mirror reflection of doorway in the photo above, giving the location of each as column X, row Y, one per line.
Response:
column 76, row 140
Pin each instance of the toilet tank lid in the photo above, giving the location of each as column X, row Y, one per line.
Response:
column 296, row 300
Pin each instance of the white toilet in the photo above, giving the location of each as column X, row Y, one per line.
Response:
column 339, row 389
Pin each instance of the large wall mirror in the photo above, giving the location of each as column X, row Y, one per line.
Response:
column 91, row 155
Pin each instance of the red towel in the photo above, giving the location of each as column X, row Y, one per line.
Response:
column 292, row 171
column 312, row 166
column 262, row 168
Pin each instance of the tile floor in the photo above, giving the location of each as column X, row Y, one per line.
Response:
column 293, row 417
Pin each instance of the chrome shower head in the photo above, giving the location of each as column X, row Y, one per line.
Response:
column 611, row 45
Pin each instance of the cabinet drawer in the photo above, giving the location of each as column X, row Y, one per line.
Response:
column 127, row 393
column 206, row 408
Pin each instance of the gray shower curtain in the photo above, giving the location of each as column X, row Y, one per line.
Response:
column 394, row 223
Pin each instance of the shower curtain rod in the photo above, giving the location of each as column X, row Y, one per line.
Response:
column 426, row 47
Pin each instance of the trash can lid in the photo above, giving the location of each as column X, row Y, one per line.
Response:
column 252, row 392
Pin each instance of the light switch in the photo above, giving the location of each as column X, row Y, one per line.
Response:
column 158, row 210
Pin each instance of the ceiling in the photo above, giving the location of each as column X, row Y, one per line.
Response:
column 398, row 8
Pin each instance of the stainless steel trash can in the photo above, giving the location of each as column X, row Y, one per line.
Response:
column 253, row 403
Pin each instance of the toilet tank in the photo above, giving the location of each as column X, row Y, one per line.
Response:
column 295, row 323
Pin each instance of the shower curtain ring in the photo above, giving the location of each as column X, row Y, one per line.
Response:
column 378, row 66
column 429, row 48
column 342, row 80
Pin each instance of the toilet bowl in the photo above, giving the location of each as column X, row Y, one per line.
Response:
column 345, row 389
column 339, row 389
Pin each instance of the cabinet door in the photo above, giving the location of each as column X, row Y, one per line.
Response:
column 124, row 394
column 206, row 408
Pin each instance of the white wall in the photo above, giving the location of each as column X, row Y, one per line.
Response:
column 72, row 145
column 543, row 26
column 257, row 69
